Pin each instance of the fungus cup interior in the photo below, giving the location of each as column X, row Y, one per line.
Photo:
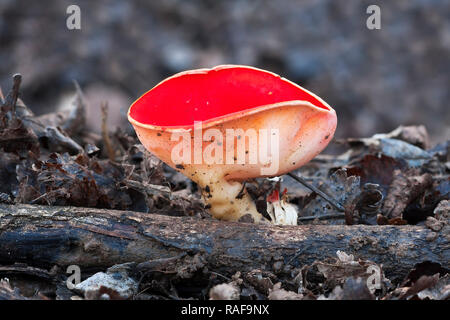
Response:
column 207, row 94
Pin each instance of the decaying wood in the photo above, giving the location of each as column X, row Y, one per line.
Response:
column 44, row 236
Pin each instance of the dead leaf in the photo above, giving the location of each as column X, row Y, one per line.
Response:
column 424, row 282
column 415, row 135
column 277, row 293
column 353, row 289
column 405, row 187
column 227, row 291
column 224, row 291
column 440, row 291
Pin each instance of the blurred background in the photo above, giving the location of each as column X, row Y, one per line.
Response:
column 375, row 79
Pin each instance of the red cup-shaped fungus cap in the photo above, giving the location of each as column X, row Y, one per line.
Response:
column 231, row 123
column 238, row 98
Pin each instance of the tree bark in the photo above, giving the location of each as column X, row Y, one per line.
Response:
column 43, row 236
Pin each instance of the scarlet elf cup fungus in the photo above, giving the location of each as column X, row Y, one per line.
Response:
column 224, row 125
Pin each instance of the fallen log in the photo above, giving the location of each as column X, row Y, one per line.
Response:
column 44, row 236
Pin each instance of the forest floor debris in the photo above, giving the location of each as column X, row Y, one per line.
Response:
column 393, row 178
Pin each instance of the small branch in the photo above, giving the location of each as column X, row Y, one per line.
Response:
column 13, row 95
column 323, row 217
column 326, row 197
column 148, row 187
column 75, row 121
column 105, row 133
column 56, row 137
